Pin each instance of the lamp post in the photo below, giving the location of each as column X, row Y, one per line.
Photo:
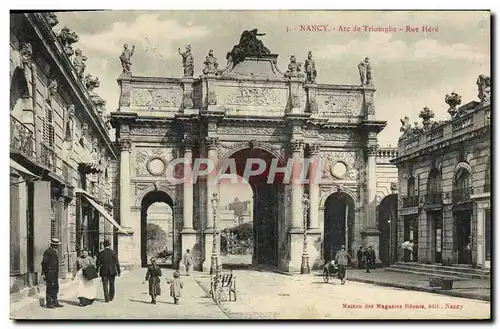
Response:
column 214, row 262
column 304, row 267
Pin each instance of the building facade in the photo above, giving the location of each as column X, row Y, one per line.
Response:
column 62, row 158
column 251, row 109
column 444, row 183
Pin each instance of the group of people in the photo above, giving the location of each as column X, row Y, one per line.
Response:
column 85, row 272
column 88, row 269
column 366, row 258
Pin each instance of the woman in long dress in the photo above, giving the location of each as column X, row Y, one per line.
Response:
column 86, row 289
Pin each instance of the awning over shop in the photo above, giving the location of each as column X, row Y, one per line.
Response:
column 18, row 167
column 103, row 212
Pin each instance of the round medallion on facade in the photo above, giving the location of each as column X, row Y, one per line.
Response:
column 156, row 166
column 338, row 170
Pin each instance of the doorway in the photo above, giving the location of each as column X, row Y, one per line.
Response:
column 411, row 234
column 437, row 236
column 463, row 236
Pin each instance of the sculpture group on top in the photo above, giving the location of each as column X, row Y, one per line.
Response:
column 249, row 45
column 211, row 65
column 294, row 68
column 484, row 88
column 427, row 124
column 310, row 68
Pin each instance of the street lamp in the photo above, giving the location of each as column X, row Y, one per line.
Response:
column 304, row 267
column 214, row 263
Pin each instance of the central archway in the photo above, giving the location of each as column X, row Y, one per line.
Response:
column 339, row 224
column 148, row 200
column 267, row 205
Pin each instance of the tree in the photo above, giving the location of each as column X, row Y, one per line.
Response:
column 156, row 239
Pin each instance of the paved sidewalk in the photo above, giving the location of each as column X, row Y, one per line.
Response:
column 466, row 288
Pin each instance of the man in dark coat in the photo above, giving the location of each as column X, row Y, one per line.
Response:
column 359, row 256
column 372, row 256
column 50, row 273
column 342, row 259
column 367, row 256
column 109, row 268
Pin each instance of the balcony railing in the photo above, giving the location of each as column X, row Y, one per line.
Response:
column 410, row 201
column 48, row 157
column 21, row 138
column 434, row 198
column 462, row 194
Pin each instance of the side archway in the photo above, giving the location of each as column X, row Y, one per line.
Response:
column 387, row 225
column 147, row 200
column 338, row 224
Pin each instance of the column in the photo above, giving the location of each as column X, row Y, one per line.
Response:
column 211, row 143
column 297, row 192
column 188, row 233
column 297, row 186
column 126, row 250
column 41, row 226
column 314, row 187
column 371, row 232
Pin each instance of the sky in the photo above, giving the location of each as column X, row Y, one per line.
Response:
column 411, row 70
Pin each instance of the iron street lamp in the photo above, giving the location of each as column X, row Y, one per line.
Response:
column 304, row 267
column 214, row 262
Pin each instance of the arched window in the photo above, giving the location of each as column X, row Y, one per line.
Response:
column 411, row 187
column 434, row 182
column 462, row 187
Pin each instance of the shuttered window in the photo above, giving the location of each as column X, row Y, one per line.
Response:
column 48, row 126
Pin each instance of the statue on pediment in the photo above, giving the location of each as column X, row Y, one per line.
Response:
column 365, row 72
column 484, row 88
column 310, row 68
column 249, row 45
column 126, row 58
column 79, row 63
column 187, row 61
column 294, row 68
column 211, row 64
column 68, row 38
column 405, row 126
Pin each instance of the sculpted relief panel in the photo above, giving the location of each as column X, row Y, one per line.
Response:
column 252, row 96
column 156, row 98
column 342, row 165
column 339, row 104
column 152, row 161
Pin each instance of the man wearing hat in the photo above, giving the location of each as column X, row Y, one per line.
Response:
column 50, row 273
column 342, row 260
column 109, row 268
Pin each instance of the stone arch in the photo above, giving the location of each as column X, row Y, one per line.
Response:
column 255, row 145
column 139, row 197
column 338, row 223
column 336, row 189
column 387, row 214
column 460, row 167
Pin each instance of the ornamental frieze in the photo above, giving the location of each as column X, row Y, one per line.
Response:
column 170, row 98
column 246, row 130
column 340, row 104
column 337, row 136
column 342, row 165
column 150, row 131
column 255, row 96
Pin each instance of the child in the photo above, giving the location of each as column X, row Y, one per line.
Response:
column 153, row 277
column 176, row 287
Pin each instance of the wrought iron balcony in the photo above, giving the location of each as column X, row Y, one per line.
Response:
column 410, row 201
column 434, row 198
column 21, row 138
column 462, row 194
column 48, row 157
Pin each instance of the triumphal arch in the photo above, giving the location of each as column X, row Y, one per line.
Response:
column 249, row 109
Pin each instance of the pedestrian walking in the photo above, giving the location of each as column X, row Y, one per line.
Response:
column 50, row 274
column 342, row 259
column 153, row 277
column 176, row 287
column 109, row 268
column 85, row 273
column 188, row 262
column 373, row 256
column 359, row 256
